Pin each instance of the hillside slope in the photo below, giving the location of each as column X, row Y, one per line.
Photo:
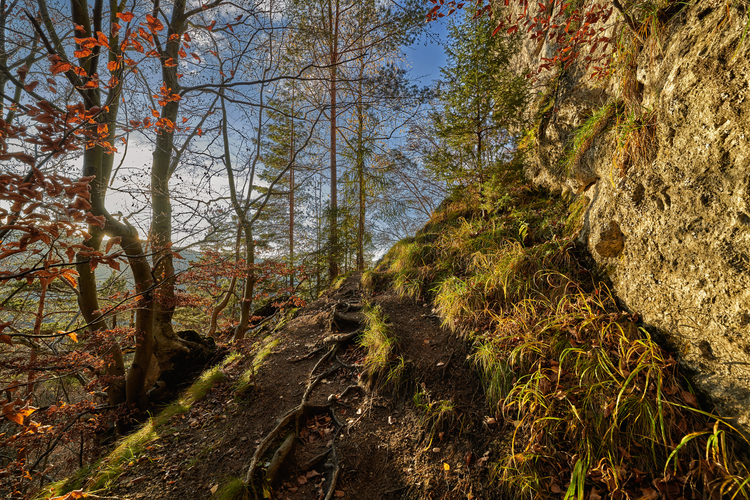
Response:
column 413, row 426
column 537, row 385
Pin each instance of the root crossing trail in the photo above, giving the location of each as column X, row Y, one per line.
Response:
column 311, row 424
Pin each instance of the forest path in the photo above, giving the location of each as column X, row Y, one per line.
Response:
column 347, row 440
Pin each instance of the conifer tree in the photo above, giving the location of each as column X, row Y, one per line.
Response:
column 482, row 98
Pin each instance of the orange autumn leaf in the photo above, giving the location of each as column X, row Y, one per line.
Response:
column 154, row 24
column 69, row 276
column 60, row 67
column 14, row 417
column 73, row 336
column 86, row 42
column 73, row 495
column 125, row 16
column 111, row 242
column 102, row 39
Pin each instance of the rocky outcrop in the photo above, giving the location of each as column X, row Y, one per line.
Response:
column 669, row 213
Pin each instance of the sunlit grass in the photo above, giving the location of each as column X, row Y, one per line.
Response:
column 436, row 416
column 382, row 365
column 592, row 400
column 103, row 474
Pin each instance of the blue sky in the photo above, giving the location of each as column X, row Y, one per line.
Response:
column 426, row 56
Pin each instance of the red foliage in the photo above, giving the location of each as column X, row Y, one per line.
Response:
column 46, row 215
column 575, row 34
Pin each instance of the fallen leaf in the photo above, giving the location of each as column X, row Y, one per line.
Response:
column 302, row 480
column 446, row 466
column 214, row 488
column 649, row 494
column 689, row 398
column 339, row 493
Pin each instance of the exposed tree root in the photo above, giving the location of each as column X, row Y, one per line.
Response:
column 336, row 470
column 316, row 459
column 278, row 458
column 294, row 417
column 356, row 317
column 341, row 337
column 308, row 355
column 347, row 365
column 353, row 387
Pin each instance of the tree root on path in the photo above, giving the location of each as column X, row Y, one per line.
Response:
column 347, row 365
column 295, row 416
column 306, row 356
column 340, row 338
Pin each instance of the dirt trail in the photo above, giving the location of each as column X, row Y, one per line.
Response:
column 347, row 441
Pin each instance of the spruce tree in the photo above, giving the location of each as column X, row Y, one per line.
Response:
column 482, row 99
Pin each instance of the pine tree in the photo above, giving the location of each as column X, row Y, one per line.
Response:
column 281, row 150
column 482, row 99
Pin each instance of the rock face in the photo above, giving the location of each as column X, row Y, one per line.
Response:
column 672, row 233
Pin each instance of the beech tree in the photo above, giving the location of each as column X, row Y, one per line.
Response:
column 76, row 104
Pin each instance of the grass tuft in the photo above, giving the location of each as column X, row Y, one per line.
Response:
column 232, row 489
column 585, row 136
column 438, row 416
column 382, row 366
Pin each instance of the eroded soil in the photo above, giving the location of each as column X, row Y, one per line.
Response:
column 351, row 441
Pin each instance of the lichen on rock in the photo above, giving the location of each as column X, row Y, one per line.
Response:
column 667, row 214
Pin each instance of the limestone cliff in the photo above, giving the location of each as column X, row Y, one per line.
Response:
column 659, row 157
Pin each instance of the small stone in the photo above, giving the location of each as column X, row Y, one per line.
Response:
column 611, row 241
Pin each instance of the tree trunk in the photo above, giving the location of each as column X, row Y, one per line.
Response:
column 223, row 304
column 220, row 307
column 246, row 306
column 361, row 180
column 333, row 265
column 291, row 198
column 167, row 343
